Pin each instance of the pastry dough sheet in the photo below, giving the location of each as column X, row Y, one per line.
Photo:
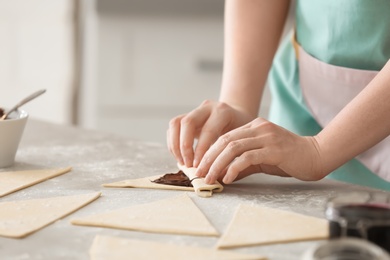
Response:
column 178, row 215
column 115, row 248
column 21, row 218
column 16, row 180
column 199, row 186
column 255, row 225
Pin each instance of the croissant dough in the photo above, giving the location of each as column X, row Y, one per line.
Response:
column 16, row 180
column 21, row 218
column 115, row 248
column 146, row 183
column 201, row 189
column 255, row 225
column 178, row 215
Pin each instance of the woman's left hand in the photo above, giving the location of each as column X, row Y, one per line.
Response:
column 261, row 147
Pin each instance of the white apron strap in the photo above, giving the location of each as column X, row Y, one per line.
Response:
column 327, row 89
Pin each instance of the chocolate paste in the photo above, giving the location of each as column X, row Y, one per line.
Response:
column 356, row 214
column 176, row 179
column 1, row 112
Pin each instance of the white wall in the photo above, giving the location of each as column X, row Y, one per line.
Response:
column 36, row 51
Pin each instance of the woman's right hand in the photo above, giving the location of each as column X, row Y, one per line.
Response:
column 205, row 123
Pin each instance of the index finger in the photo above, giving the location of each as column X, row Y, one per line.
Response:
column 191, row 124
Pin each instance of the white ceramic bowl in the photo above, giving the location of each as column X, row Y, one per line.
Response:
column 11, row 131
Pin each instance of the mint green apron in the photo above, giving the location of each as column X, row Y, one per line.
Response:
column 350, row 33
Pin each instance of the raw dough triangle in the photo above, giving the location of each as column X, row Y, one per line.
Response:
column 115, row 248
column 200, row 187
column 21, row 218
column 146, row 183
column 17, row 180
column 254, row 225
column 178, row 215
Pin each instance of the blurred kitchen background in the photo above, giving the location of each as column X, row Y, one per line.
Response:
column 120, row 66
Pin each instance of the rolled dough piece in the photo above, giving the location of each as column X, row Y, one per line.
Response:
column 178, row 215
column 115, row 248
column 17, row 180
column 255, row 225
column 21, row 218
column 201, row 189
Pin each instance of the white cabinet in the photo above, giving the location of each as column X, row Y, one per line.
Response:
column 153, row 69
column 154, row 64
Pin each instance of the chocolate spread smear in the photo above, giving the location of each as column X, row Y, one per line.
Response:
column 1, row 112
column 176, row 179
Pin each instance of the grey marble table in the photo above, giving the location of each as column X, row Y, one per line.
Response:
column 99, row 158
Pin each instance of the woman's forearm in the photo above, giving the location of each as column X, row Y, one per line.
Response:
column 252, row 33
column 364, row 122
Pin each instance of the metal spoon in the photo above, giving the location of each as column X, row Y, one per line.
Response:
column 22, row 102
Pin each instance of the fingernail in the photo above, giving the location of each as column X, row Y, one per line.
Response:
column 226, row 180
column 180, row 160
column 196, row 162
column 185, row 162
column 198, row 173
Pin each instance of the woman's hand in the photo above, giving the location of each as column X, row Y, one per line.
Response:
column 205, row 123
column 261, row 146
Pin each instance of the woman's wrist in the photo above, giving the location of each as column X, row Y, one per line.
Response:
column 319, row 165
